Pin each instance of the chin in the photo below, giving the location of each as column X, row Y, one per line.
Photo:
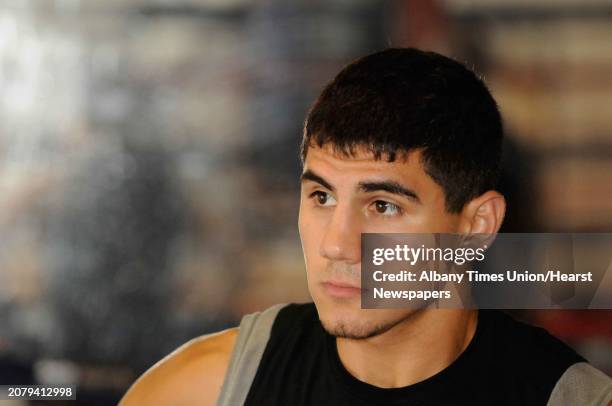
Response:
column 352, row 322
column 350, row 329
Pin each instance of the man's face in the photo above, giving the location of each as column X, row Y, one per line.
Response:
column 340, row 199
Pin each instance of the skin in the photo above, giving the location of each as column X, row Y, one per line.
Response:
column 342, row 197
column 191, row 375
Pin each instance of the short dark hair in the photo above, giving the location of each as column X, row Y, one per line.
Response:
column 398, row 100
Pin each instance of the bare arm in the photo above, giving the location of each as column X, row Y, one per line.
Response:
column 191, row 375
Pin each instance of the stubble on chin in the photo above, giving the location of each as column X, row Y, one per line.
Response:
column 354, row 331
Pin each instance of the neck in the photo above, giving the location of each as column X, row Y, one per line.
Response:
column 419, row 347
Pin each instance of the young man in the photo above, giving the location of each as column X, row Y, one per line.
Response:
column 401, row 141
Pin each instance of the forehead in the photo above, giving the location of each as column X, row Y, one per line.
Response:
column 362, row 164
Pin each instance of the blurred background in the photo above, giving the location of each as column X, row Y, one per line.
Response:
column 149, row 160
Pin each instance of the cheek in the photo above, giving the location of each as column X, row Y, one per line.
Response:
column 309, row 231
column 444, row 222
column 436, row 224
column 434, row 219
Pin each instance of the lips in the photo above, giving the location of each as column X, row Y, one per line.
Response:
column 341, row 290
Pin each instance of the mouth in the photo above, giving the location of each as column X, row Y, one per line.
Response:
column 341, row 290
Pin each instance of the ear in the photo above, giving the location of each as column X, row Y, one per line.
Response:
column 483, row 214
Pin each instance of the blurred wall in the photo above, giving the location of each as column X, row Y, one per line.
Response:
column 149, row 158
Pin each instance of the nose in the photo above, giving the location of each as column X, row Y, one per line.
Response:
column 342, row 236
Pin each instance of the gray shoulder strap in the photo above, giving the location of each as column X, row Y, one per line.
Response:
column 582, row 384
column 253, row 335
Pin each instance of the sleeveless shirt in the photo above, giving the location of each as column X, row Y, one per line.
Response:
column 283, row 356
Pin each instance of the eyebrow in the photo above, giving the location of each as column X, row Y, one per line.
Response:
column 367, row 187
column 310, row 175
column 390, row 187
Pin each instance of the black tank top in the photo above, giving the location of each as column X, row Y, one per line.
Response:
column 506, row 363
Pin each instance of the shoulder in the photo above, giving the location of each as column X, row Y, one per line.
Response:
column 295, row 314
column 526, row 343
column 528, row 357
column 192, row 374
column 195, row 372
column 582, row 384
column 276, row 321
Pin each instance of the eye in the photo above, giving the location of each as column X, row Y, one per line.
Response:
column 322, row 198
column 386, row 208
